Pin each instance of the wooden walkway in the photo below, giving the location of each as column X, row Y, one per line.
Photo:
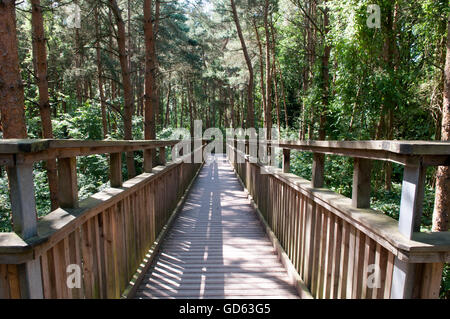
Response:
column 216, row 247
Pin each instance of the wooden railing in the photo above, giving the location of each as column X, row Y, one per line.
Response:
column 335, row 243
column 105, row 236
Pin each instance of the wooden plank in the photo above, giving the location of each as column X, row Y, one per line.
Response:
column 4, row 282
column 345, row 255
column 14, row 285
column 431, row 281
column 322, row 257
column 381, row 259
column 60, row 270
column 369, row 259
column 98, row 236
column 336, row 265
column 329, row 257
column 358, row 265
column 351, row 263
column 110, row 280
column 389, row 276
column 316, row 251
column 309, row 241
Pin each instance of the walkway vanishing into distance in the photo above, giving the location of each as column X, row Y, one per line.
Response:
column 149, row 237
column 216, row 247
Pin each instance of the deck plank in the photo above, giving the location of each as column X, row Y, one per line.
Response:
column 217, row 247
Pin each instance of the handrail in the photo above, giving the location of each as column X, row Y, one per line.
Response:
column 427, row 153
column 14, row 151
column 417, row 254
column 87, row 230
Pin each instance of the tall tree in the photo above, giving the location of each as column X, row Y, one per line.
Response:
column 325, row 73
column 442, row 200
column 268, row 115
column 151, row 98
column 261, row 66
column 40, row 52
column 100, row 71
column 248, row 61
column 127, row 89
column 11, row 87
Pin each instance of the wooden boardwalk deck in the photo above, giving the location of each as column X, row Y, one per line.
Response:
column 216, row 248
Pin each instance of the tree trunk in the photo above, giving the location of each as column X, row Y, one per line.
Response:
column 268, row 117
column 311, row 40
column 283, row 94
column 183, row 102
column 44, row 105
column 100, row 74
column 78, row 63
column 325, row 75
column 442, row 200
column 274, row 72
column 261, row 68
column 169, row 91
column 127, row 90
column 250, row 104
column 11, row 86
column 191, row 115
column 151, row 98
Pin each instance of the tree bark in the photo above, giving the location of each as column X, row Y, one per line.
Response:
column 169, row 91
column 12, row 100
column 248, row 61
column 442, row 200
column 325, row 75
column 100, row 73
column 275, row 77
column 283, row 94
column 151, row 98
column 127, row 89
column 44, row 105
column 268, row 117
column 261, row 68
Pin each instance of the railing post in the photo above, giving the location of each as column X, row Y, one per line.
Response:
column 412, row 200
column 318, row 170
column 24, row 217
column 148, row 161
column 404, row 274
column 162, row 155
column 235, row 151
column 361, row 183
column 67, row 181
column 286, row 160
column 115, row 170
